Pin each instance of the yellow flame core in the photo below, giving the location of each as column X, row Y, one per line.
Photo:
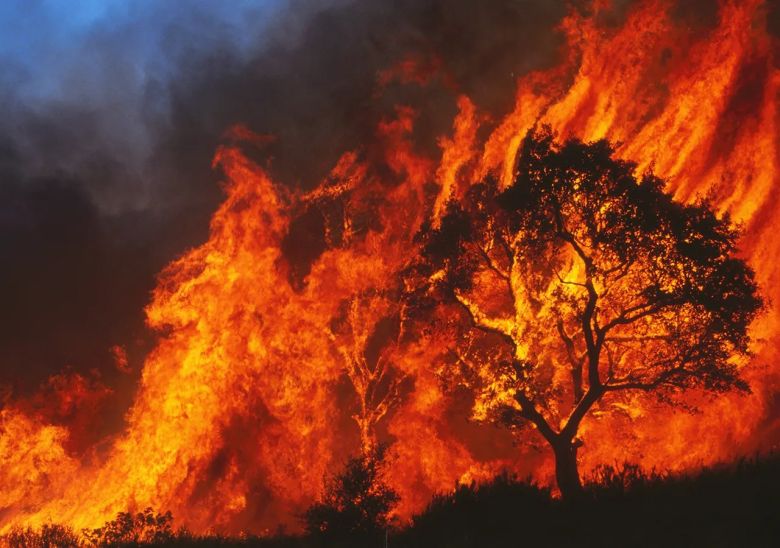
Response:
column 239, row 416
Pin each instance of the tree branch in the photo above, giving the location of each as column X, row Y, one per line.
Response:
column 576, row 364
column 528, row 410
column 626, row 317
column 662, row 378
column 566, row 282
column 492, row 265
column 573, row 422
column 593, row 345
column 480, row 321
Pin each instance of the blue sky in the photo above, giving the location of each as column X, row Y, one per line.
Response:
column 93, row 62
column 44, row 42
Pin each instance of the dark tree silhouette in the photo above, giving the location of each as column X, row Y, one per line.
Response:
column 356, row 505
column 580, row 282
column 366, row 337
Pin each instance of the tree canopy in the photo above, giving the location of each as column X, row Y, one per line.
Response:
column 579, row 281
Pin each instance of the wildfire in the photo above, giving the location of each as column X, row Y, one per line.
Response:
column 266, row 377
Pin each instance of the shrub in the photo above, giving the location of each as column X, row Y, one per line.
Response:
column 48, row 536
column 131, row 529
column 356, row 506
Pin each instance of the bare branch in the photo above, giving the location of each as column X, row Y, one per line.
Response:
column 567, row 282
column 481, row 321
column 634, row 313
column 576, row 363
column 491, row 264
column 528, row 410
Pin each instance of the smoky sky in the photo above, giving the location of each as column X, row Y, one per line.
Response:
column 112, row 111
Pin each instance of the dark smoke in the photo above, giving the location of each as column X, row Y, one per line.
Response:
column 105, row 167
column 107, row 178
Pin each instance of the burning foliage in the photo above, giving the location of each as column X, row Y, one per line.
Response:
column 284, row 345
column 579, row 283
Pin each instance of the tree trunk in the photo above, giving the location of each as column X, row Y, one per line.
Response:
column 367, row 441
column 566, row 473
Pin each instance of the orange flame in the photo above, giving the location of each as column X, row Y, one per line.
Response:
column 244, row 406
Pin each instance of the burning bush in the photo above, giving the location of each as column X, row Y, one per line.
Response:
column 355, row 509
column 145, row 527
column 48, row 536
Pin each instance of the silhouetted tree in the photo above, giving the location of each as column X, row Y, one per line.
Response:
column 580, row 282
column 355, row 508
column 366, row 336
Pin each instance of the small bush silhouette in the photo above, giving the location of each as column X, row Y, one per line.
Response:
column 131, row 529
column 356, row 506
column 48, row 536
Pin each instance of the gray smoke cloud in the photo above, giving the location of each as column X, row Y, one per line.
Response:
column 113, row 110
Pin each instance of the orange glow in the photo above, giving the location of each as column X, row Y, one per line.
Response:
column 251, row 398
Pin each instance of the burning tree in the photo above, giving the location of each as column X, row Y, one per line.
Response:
column 366, row 336
column 579, row 283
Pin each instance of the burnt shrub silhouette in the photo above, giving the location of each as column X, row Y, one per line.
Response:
column 129, row 529
column 48, row 536
column 355, row 509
